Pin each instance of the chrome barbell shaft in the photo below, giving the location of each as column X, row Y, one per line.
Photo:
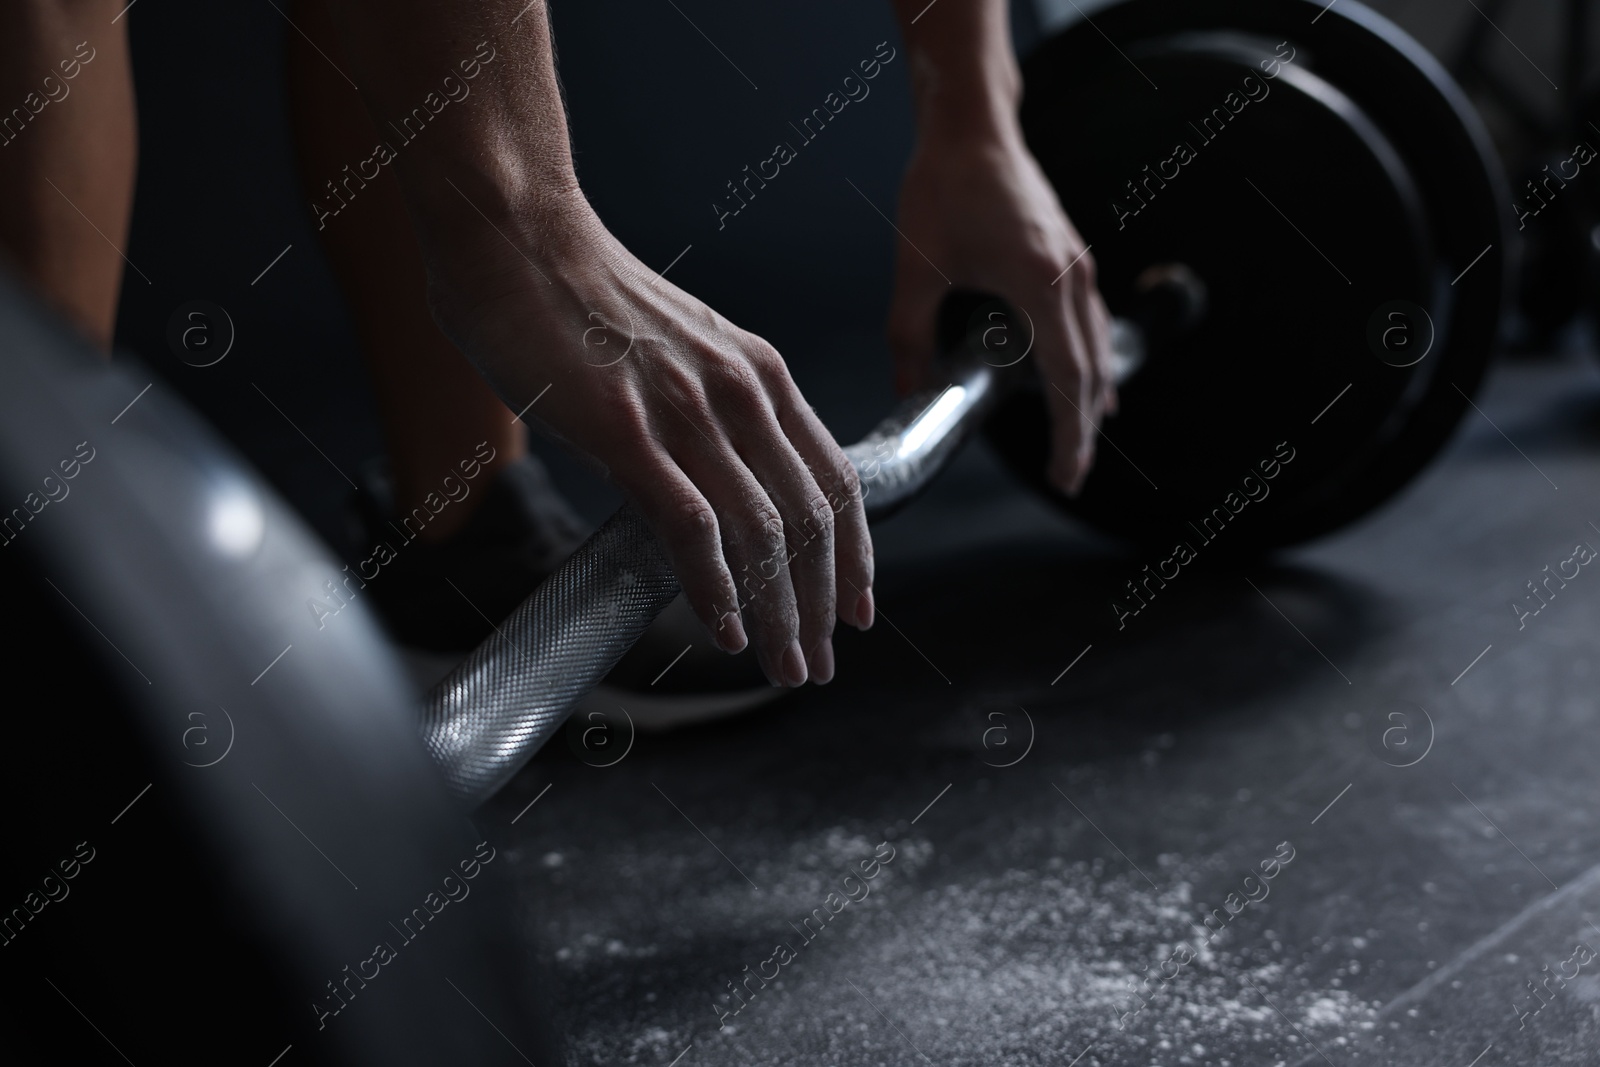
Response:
column 516, row 689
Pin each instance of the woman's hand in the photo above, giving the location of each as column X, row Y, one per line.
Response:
column 696, row 420
column 977, row 213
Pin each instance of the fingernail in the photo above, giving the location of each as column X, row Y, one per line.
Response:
column 730, row 634
column 1064, row 480
column 864, row 611
column 794, row 664
column 822, row 663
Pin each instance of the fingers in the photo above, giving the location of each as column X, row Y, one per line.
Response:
column 1110, row 403
column 828, row 550
column 781, row 492
column 1095, row 322
column 841, row 489
column 803, row 564
column 913, row 318
column 757, row 551
column 690, row 532
column 1067, row 366
column 752, row 543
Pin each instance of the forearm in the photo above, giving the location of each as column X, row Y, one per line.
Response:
column 697, row 421
column 964, row 75
column 470, row 108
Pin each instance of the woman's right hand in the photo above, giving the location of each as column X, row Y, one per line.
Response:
column 697, row 421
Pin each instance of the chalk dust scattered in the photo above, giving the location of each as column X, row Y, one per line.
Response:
column 980, row 967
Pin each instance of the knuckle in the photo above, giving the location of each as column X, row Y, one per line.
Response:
column 818, row 553
column 845, row 489
column 764, row 547
column 812, row 534
column 1070, row 264
column 694, row 519
column 765, row 360
column 1047, row 259
column 683, row 387
column 738, row 393
column 1072, row 373
column 819, row 511
column 1087, row 270
column 763, row 528
column 630, row 415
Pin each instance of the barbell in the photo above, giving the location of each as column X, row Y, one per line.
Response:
column 1346, row 209
column 1305, row 304
column 162, row 589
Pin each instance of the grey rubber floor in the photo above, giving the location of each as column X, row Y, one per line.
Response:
column 1059, row 833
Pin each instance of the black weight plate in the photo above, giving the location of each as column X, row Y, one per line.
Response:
column 1252, row 207
column 1533, row 211
column 250, row 783
column 1309, row 210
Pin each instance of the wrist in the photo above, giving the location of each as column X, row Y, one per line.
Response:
column 469, row 209
column 484, row 236
column 528, row 254
column 987, row 143
column 974, row 102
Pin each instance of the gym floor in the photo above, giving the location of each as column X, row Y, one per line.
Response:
column 1371, row 701
column 1062, row 799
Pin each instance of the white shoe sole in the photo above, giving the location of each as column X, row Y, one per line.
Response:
column 650, row 712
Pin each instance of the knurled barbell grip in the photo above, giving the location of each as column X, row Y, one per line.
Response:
column 516, row 689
